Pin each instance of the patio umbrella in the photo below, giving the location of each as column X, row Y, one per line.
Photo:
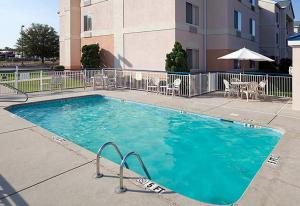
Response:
column 245, row 54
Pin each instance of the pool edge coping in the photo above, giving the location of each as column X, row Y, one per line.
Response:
column 74, row 96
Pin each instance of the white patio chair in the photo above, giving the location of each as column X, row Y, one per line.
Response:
column 174, row 87
column 228, row 88
column 139, row 79
column 110, row 79
column 235, row 88
column 262, row 88
column 250, row 91
column 153, row 85
column 56, row 83
column 99, row 82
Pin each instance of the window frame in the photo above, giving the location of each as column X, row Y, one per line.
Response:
column 238, row 20
column 192, row 14
column 87, row 23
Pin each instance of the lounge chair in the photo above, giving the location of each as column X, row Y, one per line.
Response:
column 174, row 87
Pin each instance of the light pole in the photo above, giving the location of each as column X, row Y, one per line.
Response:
column 22, row 51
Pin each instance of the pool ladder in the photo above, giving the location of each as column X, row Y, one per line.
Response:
column 121, row 188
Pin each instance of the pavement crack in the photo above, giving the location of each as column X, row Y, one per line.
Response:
column 15, row 130
column 47, row 179
column 279, row 111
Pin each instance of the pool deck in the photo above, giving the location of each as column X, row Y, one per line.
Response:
column 37, row 168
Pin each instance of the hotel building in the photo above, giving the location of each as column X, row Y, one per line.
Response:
column 137, row 34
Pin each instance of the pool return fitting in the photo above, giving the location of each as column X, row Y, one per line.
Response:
column 121, row 188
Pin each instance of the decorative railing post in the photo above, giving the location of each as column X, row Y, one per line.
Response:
column 41, row 81
column 16, row 77
column 209, row 87
column 65, row 78
column 267, row 84
column 84, row 79
column 200, row 85
column 190, row 85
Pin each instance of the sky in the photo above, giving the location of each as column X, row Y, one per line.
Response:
column 15, row 13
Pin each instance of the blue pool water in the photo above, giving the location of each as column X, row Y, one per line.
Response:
column 200, row 157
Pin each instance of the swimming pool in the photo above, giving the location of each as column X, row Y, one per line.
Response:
column 200, row 157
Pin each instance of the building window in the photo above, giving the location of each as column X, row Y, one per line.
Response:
column 252, row 2
column 238, row 20
column 277, row 38
column 252, row 65
column 252, row 27
column 277, row 17
column 87, row 23
column 192, row 58
column 192, row 14
column 236, row 64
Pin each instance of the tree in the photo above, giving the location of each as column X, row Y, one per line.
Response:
column 91, row 56
column 39, row 40
column 176, row 61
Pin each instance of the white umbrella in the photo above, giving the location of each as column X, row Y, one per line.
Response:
column 246, row 54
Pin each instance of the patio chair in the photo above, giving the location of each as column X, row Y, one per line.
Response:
column 250, row 91
column 235, row 80
column 153, row 85
column 174, row 87
column 262, row 88
column 139, row 79
column 99, row 82
column 56, row 83
column 228, row 88
column 235, row 88
column 110, row 79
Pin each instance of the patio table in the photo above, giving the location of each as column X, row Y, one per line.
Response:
column 240, row 85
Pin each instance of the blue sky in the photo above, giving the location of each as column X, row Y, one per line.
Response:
column 14, row 13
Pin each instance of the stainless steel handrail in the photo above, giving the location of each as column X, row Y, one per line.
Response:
column 17, row 90
column 121, row 188
column 99, row 175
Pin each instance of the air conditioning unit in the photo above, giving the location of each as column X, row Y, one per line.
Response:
column 291, row 70
column 193, row 29
column 87, row 2
column 87, row 34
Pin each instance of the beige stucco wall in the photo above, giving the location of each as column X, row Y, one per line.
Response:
column 102, row 17
column 296, row 73
column 148, row 34
column 70, row 34
column 147, row 50
column 190, row 40
column 296, row 78
column 269, row 28
column 106, row 43
column 222, row 37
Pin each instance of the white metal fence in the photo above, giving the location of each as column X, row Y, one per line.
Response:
column 191, row 84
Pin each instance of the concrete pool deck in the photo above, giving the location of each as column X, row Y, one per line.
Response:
column 38, row 168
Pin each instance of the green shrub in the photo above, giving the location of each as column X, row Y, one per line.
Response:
column 176, row 61
column 59, row 68
column 90, row 56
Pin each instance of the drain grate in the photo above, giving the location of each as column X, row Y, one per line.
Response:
column 274, row 160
